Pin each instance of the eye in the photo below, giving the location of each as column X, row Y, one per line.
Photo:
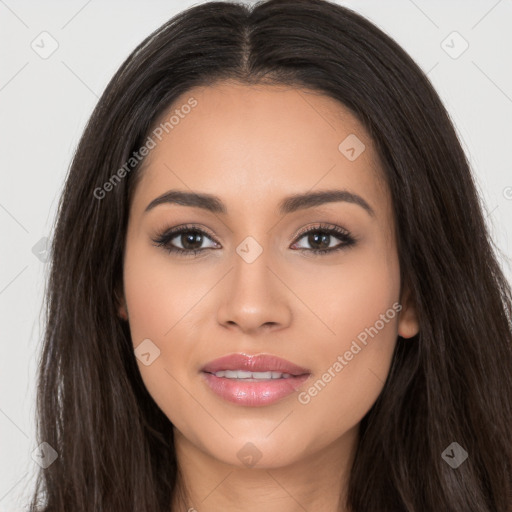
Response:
column 191, row 239
column 320, row 238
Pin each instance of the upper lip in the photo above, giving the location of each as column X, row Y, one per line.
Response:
column 254, row 363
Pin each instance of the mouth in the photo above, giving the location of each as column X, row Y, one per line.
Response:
column 259, row 365
column 253, row 380
column 251, row 376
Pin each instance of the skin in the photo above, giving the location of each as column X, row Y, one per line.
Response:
column 252, row 146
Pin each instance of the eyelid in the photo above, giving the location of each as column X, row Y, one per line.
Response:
column 320, row 226
column 175, row 230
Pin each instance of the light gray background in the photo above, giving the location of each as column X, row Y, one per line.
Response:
column 45, row 104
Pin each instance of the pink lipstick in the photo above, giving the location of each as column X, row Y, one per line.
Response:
column 253, row 380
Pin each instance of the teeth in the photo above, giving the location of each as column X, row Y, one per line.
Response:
column 242, row 374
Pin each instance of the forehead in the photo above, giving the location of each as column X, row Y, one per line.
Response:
column 252, row 145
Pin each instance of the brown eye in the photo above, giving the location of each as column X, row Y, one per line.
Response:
column 190, row 238
column 320, row 239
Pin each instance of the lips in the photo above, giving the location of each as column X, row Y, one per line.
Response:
column 254, row 363
column 253, row 380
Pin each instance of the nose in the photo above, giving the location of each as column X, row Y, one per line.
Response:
column 254, row 297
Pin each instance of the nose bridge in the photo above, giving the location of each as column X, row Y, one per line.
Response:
column 254, row 296
column 251, row 260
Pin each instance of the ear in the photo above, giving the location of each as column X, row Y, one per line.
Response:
column 122, row 310
column 408, row 325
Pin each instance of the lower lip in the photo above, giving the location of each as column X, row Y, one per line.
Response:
column 253, row 394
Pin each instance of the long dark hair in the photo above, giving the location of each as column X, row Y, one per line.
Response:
column 450, row 383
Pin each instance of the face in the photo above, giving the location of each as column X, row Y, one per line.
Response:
column 251, row 278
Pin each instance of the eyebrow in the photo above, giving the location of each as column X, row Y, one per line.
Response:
column 289, row 204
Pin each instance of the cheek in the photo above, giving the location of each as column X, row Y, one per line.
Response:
column 160, row 295
column 351, row 376
column 359, row 304
column 163, row 302
column 349, row 296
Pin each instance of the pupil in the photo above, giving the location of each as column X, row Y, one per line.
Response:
column 313, row 239
column 190, row 239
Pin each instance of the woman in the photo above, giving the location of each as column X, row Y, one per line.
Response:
column 272, row 285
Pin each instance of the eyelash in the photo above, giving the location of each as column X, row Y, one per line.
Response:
column 164, row 239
